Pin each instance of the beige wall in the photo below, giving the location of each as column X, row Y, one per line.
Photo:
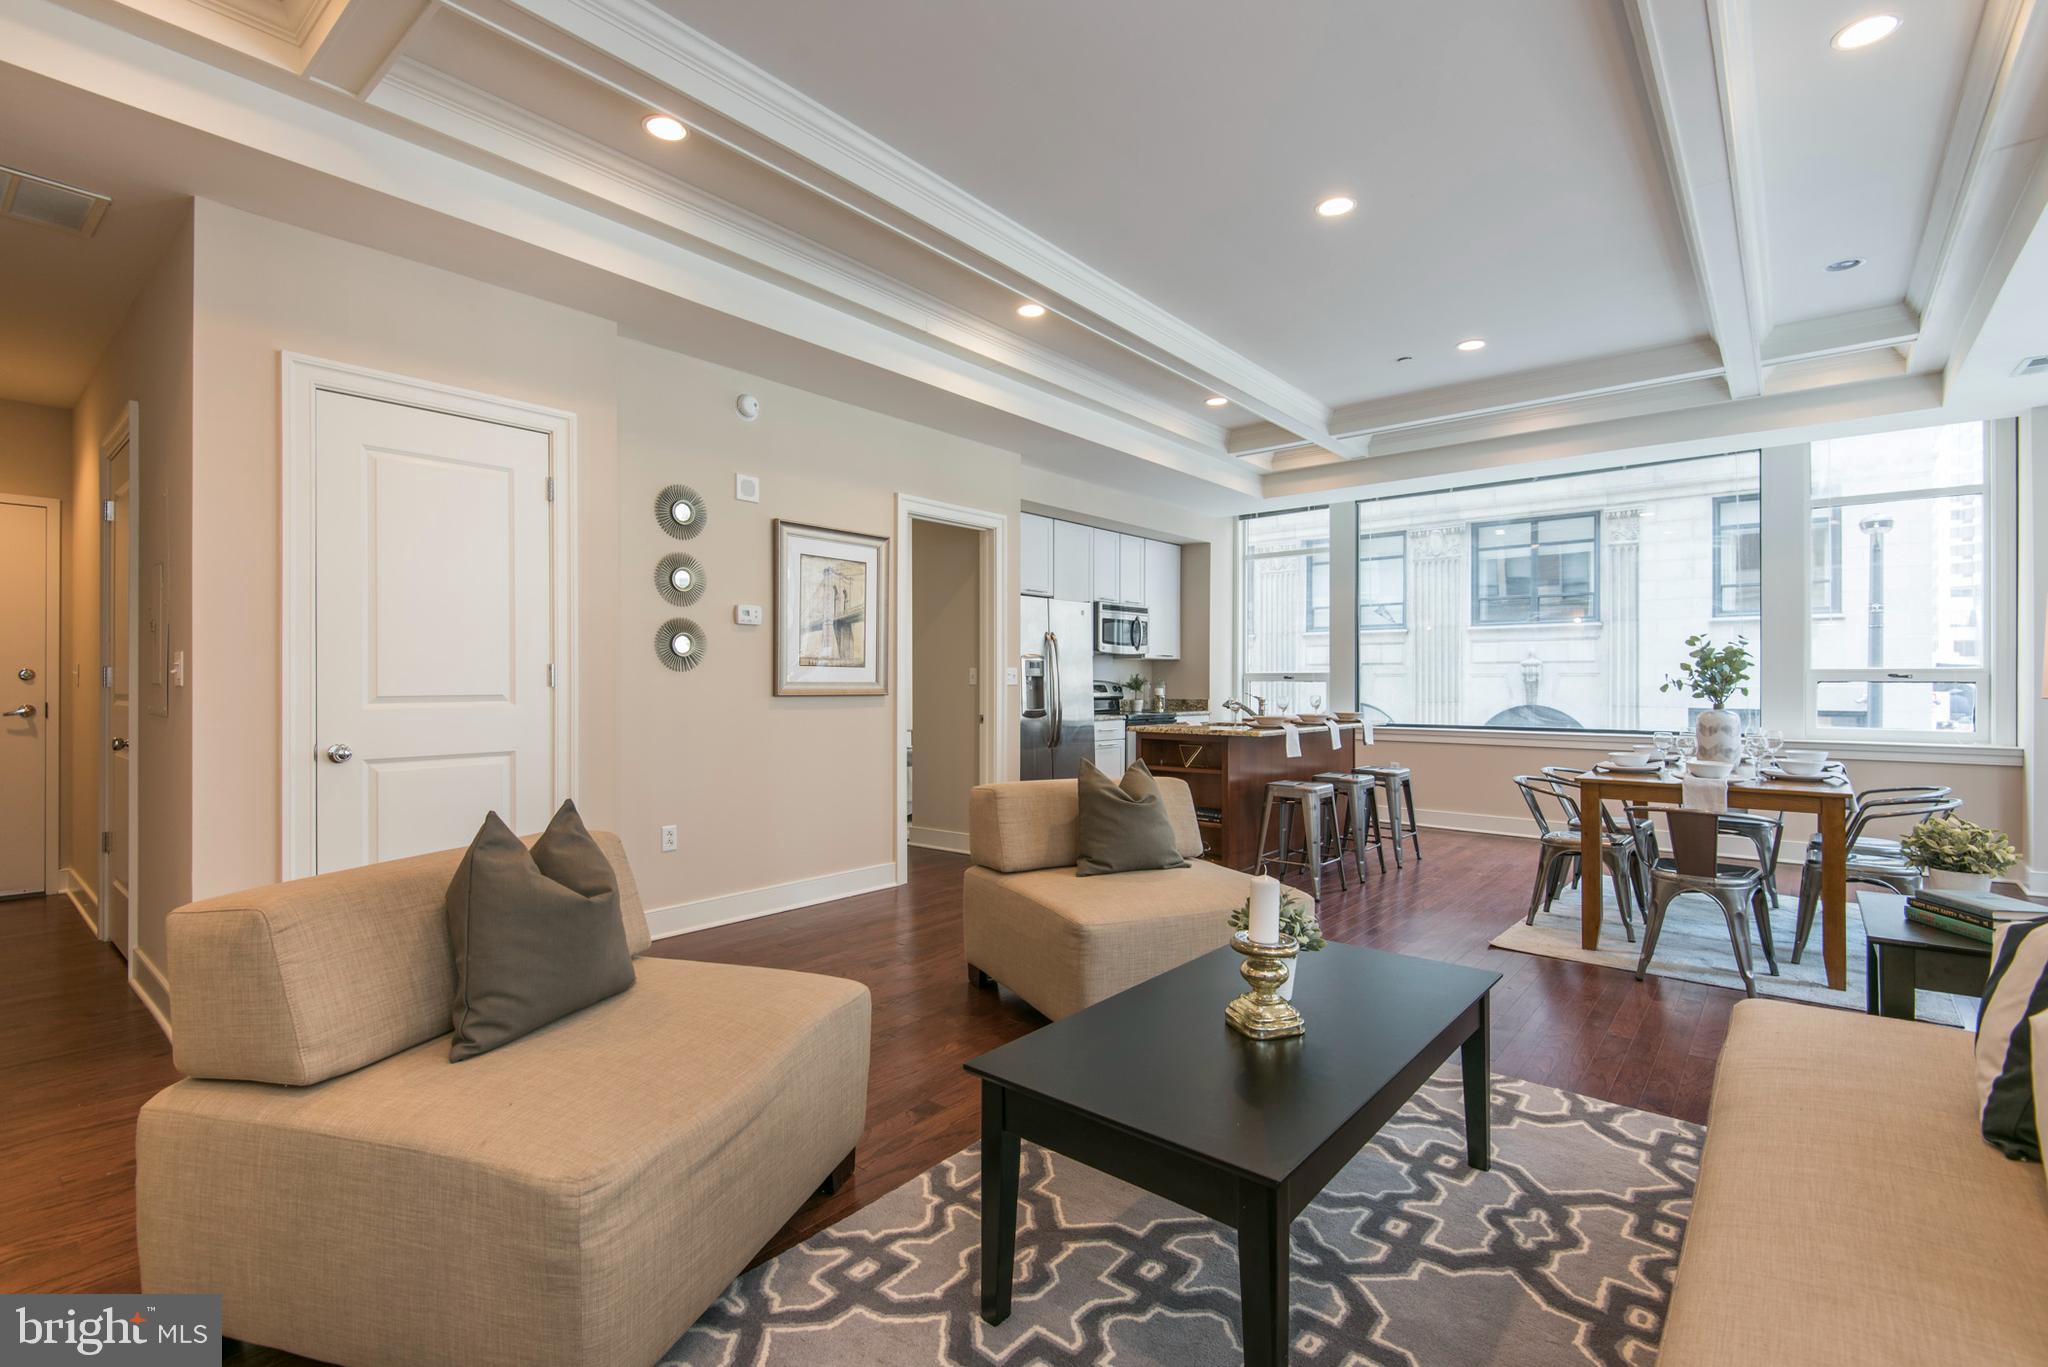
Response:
column 768, row 792
column 149, row 362
column 35, row 450
column 262, row 288
column 945, row 611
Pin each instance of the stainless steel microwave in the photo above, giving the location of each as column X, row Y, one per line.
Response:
column 1121, row 629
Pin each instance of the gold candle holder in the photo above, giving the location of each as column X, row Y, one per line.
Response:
column 1263, row 1013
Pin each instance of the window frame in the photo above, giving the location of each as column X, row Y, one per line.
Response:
column 1834, row 521
column 1400, row 558
column 1308, row 555
column 1534, row 547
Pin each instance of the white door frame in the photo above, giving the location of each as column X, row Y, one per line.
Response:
column 53, row 753
column 302, row 379
column 127, row 429
column 995, row 626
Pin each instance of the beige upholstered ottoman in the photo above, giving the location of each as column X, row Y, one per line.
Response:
column 1063, row 942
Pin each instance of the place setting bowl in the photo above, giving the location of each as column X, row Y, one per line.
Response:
column 1641, row 761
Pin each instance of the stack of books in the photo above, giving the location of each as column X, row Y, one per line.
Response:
column 1974, row 914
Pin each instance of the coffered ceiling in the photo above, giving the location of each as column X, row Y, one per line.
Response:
column 1632, row 203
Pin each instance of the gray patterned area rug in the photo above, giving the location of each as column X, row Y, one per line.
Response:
column 1563, row 1253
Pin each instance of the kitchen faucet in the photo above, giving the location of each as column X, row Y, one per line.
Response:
column 1233, row 705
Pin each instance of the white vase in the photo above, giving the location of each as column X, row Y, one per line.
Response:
column 1718, row 736
column 1948, row 880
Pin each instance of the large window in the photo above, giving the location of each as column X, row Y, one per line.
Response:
column 1536, row 570
column 1874, row 579
column 1287, row 608
column 1903, row 650
column 1382, row 581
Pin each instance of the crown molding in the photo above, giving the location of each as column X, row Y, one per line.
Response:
column 647, row 38
column 289, row 21
column 478, row 118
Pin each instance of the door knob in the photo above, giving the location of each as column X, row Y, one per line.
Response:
column 25, row 675
column 338, row 753
column 25, row 710
column 119, row 742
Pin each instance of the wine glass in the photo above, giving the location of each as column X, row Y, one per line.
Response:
column 1666, row 743
column 1687, row 743
column 1774, row 744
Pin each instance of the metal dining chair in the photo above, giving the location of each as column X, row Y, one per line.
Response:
column 1869, row 860
column 1695, row 866
column 1645, row 834
column 1554, row 805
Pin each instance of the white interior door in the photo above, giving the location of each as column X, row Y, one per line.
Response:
column 117, row 777
column 25, row 758
column 432, row 629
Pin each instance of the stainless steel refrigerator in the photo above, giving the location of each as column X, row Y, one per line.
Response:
column 1059, row 677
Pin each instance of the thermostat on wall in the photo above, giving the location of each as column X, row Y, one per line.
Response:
column 747, row 614
column 746, row 488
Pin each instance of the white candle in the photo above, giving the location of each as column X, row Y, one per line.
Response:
column 1265, row 918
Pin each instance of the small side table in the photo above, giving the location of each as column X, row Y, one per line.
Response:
column 1903, row 955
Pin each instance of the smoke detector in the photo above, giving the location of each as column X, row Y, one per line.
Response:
column 2031, row 365
column 50, row 203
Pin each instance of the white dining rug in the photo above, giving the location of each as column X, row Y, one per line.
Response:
column 1694, row 948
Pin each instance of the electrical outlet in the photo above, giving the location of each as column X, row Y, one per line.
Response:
column 668, row 840
column 747, row 614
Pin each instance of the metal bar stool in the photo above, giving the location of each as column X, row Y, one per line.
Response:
column 1361, row 817
column 1695, row 866
column 1396, row 781
column 1284, row 795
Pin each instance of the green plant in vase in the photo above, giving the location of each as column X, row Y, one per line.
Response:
column 1958, row 854
column 1297, row 919
column 1715, row 674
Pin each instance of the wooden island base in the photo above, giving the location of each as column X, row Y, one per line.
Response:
column 1228, row 768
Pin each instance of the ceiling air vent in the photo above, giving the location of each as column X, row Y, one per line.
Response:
column 35, row 200
column 2032, row 365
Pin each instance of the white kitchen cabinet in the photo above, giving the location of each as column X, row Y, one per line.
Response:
column 1034, row 556
column 1073, row 561
column 1109, row 571
column 1131, row 569
column 1109, row 748
column 1162, row 599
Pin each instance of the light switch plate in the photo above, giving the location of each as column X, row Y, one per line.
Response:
column 1010, row 676
column 973, row 676
column 746, row 488
column 177, row 669
column 747, row 614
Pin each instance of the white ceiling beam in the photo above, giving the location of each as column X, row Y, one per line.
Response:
column 798, row 137
column 1994, row 143
column 358, row 42
column 1885, row 325
column 1375, row 419
column 1693, row 55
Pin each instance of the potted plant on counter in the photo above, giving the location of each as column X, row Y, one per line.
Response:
column 1715, row 674
column 1958, row 855
column 1136, row 686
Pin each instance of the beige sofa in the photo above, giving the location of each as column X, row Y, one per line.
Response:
column 578, row 1196
column 1063, row 942
column 1848, row 1210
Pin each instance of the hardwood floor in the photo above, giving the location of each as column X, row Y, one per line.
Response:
column 83, row 1054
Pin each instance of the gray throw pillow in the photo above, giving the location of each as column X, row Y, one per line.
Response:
column 1123, row 827
column 537, row 933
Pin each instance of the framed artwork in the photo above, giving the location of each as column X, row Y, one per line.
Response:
column 831, row 612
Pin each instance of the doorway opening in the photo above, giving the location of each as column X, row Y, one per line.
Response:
column 952, row 701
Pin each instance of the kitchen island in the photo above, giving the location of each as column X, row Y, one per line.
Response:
column 1228, row 767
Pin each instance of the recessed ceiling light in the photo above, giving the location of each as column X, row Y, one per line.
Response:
column 1864, row 32
column 1336, row 206
column 666, row 127
column 1216, row 401
column 1031, row 310
column 1472, row 344
column 1847, row 263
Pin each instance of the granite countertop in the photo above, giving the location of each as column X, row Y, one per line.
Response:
column 1229, row 730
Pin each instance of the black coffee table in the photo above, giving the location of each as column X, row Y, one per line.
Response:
column 1901, row 955
column 1151, row 1086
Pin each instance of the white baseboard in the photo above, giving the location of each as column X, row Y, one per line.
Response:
column 2033, row 882
column 150, row 984
column 930, row 838
column 685, row 917
column 82, row 897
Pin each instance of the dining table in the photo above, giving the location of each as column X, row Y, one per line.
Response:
column 1828, row 800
